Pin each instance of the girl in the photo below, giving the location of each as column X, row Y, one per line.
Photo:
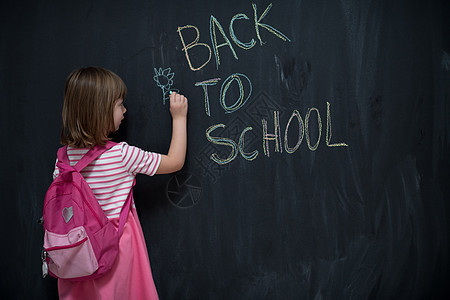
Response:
column 93, row 108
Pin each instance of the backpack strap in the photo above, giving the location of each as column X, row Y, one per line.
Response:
column 62, row 155
column 92, row 154
column 125, row 209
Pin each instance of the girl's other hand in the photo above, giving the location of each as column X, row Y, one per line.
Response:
column 178, row 105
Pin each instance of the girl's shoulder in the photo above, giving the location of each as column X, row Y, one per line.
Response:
column 136, row 160
column 124, row 147
column 128, row 151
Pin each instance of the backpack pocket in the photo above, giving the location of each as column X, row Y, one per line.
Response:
column 70, row 255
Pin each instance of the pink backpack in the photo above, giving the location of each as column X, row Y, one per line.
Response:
column 79, row 242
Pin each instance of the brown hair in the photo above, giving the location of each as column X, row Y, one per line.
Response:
column 89, row 98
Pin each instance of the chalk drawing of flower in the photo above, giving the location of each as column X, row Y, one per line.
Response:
column 164, row 79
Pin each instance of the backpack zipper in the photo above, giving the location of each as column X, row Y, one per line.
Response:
column 65, row 247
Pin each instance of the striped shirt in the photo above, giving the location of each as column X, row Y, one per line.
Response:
column 111, row 175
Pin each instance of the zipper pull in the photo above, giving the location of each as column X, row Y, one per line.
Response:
column 44, row 264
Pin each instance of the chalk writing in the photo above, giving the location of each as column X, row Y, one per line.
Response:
column 247, row 156
column 191, row 45
column 215, row 24
column 243, row 45
column 268, row 27
column 204, row 85
column 236, row 77
column 235, row 147
column 226, row 146
column 319, row 121
column 240, row 102
column 296, row 114
column 209, row 168
column 274, row 137
column 328, row 136
column 221, row 141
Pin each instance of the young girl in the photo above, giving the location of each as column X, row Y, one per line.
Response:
column 93, row 108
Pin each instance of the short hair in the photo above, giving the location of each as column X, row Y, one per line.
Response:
column 88, row 111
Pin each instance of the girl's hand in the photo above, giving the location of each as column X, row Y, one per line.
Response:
column 178, row 105
column 174, row 160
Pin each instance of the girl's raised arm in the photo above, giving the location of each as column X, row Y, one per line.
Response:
column 174, row 160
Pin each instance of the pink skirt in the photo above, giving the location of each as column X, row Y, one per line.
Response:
column 130, row 277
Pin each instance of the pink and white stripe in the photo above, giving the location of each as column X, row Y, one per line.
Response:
column 111, row 175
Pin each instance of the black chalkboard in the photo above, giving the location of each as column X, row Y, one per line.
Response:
column 318, row 158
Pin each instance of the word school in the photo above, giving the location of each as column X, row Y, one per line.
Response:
column 276, row 137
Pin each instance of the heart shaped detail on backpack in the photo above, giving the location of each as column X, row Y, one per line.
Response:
column 67, row 213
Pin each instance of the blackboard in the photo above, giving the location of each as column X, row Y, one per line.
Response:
column 318, row 157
